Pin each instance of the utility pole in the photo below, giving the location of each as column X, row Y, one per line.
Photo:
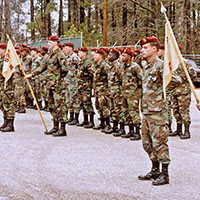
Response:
column 105, row 19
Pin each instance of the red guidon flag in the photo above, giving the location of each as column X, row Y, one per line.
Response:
column 10, row 61
column 172, row 55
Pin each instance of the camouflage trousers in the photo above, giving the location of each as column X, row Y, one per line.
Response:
column 7, row 103
column 28, row 94
column 57, row 104
column 73, row 102
column 102, row 104
column 181, row 108
column 86, row 101
column 169, row 105
column 115, row 107
column 37, row 88
column 130, row 111
column 155, row 136
column 20, row 92
column 43, row 87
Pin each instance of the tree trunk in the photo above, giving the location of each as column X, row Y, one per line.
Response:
column 82, row 11
column 124, row 21
column 76, row 14
column 188, row 29
column 96, row 16
column 89, row 16
column 60, row 24
column 69, row 14
column 32, row 20
column 1, row 20
column 7, row 18
column 48, row 21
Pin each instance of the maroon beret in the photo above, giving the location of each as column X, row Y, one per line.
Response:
column 53, row 38
column 146, row 40
column 100, row 51
column 114, row 50
column 128, row 51
column 93, row 49
column 162, row 46
column 3, row 45
column 60, row 45
column 18, row 51
column 16, row 47
column 24, row 45
column 119, row 49
column 137, row 51
column 83, row 49
column 75, row 50
column 44, row 48
column 69, row 44
column 105, row 49
column 26, row 49
column 34, row 49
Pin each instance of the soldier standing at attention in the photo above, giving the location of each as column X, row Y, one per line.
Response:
column 57, row 67
column 131, row 92
column 73, row 101
column 6, row 96
column 85, row 86
column 154, row 108
column 102, row 102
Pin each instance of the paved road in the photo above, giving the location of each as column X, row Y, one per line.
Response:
column 89, row 165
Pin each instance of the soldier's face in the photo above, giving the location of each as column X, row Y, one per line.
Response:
column 52, row 44
column 161, row 53
column 111, row 57
column 82, row 54
column 33, row 53
column 148, row 50
column 98, row 57
column 125, row 57
column 67, row 50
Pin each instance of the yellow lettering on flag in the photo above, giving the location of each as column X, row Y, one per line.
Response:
column 171, row 57
column 10, row 61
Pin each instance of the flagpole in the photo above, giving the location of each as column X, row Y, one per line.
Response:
column 181, row 60
column 30, row 88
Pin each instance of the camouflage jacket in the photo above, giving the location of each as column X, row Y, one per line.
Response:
column 84, row 75
column 74, row 63
column 152, row 85
column 42, row 61
column 101, row 78
column 57, row 67
column 131, row 81
column 27, row 64
column 183, row 87
column 114, row 78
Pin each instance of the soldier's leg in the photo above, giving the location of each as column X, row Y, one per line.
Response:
column 169, row 105
column 184, row 102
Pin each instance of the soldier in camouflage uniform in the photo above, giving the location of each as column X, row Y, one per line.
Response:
column 6, row 96
column 57, row 67
column 35, row 82
column 131, row 92
column 85, row 81
column 72, row 100
column 154, row 108
column 102, row 101
column 181, row 100
column 19, row 83
column 27, row 62
column 44, row 53
column 114, row 86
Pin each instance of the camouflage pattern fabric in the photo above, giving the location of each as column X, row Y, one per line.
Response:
column 155, row 117
column 85, row 81
column 6, row 95
column 57, row 67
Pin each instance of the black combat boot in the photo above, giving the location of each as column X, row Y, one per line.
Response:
column 46, row 108
column 30, row 103
column 121, row 130
column 91, row 123
column 153, row 174
column 186, row 134
column 101, row 125
column 114, row 129
column 9, row 127
column 130, row 133
column 75, row 121
column 21, row 109
column 85, row 120
column 170, row 127
column 71, row 118
column 61, row 131
column 5, row 121
column 54, row 129
column 108, row 127
column 163, row 177
column 136, row 135
column 178, row 130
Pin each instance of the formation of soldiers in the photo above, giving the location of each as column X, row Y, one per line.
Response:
column 124, row 82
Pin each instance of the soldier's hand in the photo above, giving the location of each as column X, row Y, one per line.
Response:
column 28, row 76
column 198, row 106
